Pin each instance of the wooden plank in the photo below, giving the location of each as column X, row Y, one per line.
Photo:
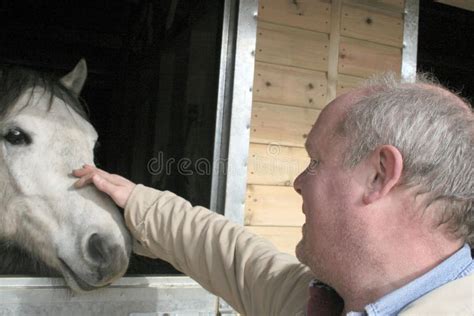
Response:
column 363, row 59
column 289, row 85
column 273, row 164
column 292, row 47
column 387, row 6
column 335, row 38
column 284, row 238
column 282, row 125
column 346, row 83
column 372, row 26
column 306, row 14
column 267, row 205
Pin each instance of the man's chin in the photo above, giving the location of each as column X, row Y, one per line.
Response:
column 300, row 253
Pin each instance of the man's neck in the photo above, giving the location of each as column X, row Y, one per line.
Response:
column 394, row 266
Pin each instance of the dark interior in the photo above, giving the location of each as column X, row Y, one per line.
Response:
column 445, row 45
column 152, row 84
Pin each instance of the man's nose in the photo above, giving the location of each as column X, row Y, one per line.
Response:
column 297, row 183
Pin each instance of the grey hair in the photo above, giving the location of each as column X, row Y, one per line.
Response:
column 433, row 129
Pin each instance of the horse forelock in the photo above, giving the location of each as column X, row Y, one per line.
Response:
column 15, row 81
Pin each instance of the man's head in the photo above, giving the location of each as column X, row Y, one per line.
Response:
column 386, row 154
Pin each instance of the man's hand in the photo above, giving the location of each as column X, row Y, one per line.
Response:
column 117, row 187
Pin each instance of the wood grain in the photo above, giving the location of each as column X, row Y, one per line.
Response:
column 306, row 14
column 292, row 47
column 346, row 83
column 372, row 26
column 280, row 124
column 387, row 6
column 284, row 238
column 363, row 59
column 268, row 205
column 273, row 164
column 289, row 86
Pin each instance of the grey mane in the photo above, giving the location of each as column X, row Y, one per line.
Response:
column 14, row 81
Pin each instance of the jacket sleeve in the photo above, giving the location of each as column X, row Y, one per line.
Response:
column 227, row 260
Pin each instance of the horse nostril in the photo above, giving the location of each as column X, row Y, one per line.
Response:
column 105, row 257
column 97, row 249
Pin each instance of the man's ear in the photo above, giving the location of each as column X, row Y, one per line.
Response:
column 386, row 165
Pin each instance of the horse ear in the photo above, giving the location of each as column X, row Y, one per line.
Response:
column 75, row 80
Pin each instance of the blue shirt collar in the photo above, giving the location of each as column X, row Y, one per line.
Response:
column 458, row 265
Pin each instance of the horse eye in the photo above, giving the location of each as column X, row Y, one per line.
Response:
column 16, row 136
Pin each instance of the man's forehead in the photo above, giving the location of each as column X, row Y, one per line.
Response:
column 331, row 115
column 336, row 109
column 314, row 139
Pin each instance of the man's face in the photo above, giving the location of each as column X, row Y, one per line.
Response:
column 330, row 192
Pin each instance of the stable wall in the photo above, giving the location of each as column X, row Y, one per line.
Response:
column 308, row 52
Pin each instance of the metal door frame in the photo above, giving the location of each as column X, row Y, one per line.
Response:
column 234, row 107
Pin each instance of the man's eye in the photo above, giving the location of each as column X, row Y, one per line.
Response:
column 313, row 164
column 16, row 136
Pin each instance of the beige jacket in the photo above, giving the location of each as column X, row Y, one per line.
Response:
column 242, row 268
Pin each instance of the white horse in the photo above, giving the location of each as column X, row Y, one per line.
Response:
column 44, row 135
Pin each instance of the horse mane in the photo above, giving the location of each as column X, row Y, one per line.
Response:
column 14, row 260
column 15, row 80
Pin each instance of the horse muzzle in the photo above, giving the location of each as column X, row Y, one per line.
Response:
column 101, row 261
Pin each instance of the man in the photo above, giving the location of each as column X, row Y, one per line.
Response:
column 388, row 198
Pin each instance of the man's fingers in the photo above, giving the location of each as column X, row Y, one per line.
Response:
column 84, row 180
column 103, row 185
column 117, row 187
column 80, row 172
column 117, row 193
column 87, row 171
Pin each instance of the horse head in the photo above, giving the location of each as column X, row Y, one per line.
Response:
column 44, row 135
